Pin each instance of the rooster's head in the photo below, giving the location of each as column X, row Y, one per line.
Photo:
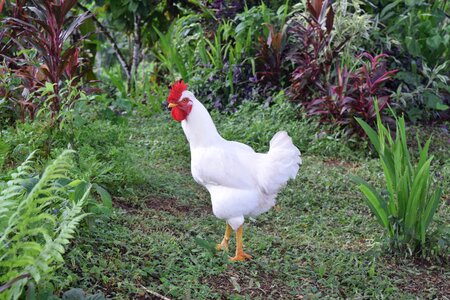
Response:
column 181, row 106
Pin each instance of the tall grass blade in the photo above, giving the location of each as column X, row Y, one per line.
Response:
column 370, row 133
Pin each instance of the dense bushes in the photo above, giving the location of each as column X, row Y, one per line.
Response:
column 417, row 34
column 307, row 67
column 223, row 64
column 319, row 39
column 309, row 51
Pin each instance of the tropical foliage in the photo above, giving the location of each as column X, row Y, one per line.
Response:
column 42, row 30
column 354, row 95
column 408, row 209
column 38, row 217
column 92, row 75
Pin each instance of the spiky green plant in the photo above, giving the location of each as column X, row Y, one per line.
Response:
column 38, row 216
column 178, row 57
column 410, row 204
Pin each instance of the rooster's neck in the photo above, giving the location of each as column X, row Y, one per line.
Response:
column 199, row 127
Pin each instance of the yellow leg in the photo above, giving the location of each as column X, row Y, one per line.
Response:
column 240, row 254
column 224, row 244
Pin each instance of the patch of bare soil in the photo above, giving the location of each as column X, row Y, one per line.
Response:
column 231, row 282
column 446, row 199
column 339, row 163
column 423, row 279
column 170, row 205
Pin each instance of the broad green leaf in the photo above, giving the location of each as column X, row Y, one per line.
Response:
column 434, row 41
column 433, row 101
column 402, row 197
column 374, row 200
column 387, row 10
column 104, row 195
column 419, row 186
column 370, row 133
column 412, row 45
column 431, row 207
column 375, row 203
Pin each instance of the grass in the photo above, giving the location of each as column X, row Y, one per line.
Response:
column 319, row 242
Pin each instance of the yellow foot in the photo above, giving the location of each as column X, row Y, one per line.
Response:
column 222, row 246
column 241, row 257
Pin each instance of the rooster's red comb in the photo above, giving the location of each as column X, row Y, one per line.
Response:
column 176, row 90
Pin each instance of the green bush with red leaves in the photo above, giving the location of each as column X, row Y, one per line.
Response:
column 354, row 94
column 39, row 47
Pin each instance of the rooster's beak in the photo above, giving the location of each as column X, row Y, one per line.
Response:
column 172, row 105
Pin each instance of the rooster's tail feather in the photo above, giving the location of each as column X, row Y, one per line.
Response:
column 280, row 164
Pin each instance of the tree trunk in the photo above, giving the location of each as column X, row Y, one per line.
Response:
column 136, row 59
column 120, row 57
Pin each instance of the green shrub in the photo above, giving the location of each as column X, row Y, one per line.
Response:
column 220, row 65
column 176, row 47
column 416, row 34
column 38, row 216
column 100, row 137
column 351, row 23
column 421, row 27
column 25, row 137
column 42, row 32
column 406, row 210
column 419, row 93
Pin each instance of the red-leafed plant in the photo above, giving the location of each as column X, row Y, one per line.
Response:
column 44, row 26
column 312, row 52
column 354, row 94
column 271, row 56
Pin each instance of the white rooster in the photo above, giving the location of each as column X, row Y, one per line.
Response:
column 241, row 182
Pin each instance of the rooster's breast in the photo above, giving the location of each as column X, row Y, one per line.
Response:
column 228, row 173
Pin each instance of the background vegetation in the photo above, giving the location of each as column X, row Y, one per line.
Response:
column 96, row 197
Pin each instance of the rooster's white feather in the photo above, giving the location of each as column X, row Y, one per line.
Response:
column 241, row 182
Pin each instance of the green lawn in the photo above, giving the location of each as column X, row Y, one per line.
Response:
column 96, row 77
column 320, row 241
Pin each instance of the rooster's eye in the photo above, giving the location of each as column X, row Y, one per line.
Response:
column 184, row 100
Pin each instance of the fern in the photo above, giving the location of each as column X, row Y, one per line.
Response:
column 8, row 202
column 37, row 223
